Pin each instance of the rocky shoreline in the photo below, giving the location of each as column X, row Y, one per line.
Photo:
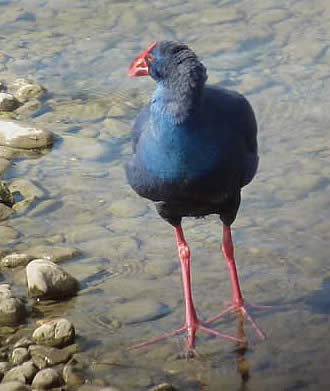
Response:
column 47, row 356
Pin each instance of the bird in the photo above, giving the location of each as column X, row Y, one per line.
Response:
column 194, row 147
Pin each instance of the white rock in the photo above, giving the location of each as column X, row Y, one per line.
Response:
column 18, row 135
column 46, row 280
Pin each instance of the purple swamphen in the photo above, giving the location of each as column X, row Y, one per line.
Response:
column 194, row 148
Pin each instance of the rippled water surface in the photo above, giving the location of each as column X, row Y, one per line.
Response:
column 277, row 53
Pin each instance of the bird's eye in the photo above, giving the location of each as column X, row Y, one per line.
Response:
column 149, row 58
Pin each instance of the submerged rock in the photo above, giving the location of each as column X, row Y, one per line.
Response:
column 12, row 309
column 46, row 280
column 57, row 333
column 18, row 135
column 15, row 260
column 5, row 212
column 8, row 102
column 6, row 196
column 53, row 253
column 4, row 164
column 27, row 89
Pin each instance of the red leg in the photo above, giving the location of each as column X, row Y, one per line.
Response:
column 192, row 323
column 237, row 298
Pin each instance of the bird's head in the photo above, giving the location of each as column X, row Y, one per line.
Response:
column 165, row 61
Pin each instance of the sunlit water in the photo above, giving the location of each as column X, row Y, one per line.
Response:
column 277, row 53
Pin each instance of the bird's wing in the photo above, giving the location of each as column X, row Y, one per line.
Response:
column 140, row 124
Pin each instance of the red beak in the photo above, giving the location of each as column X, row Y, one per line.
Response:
column 139, row 66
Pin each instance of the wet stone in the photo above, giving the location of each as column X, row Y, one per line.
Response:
column 46, row 280
column 23, row 342
column 6, row 197
column 4, row 367
column 57, row 333
column 47, row 378
column 4, row 164
column 73, row 373
column 14, row 374
column 15, row 259
column 12, row 309
column 23, row 373
column 3, row 86
column 5, row 212
column 13, row 386
column 8, row 102
column 19, row 355
column 129, row 208
column 26, row 188
column 7, row 234
column 45, row 356
column 53, row 253
column 163, row 387
column 27, row 89
column 138, row 311
column 17, row 135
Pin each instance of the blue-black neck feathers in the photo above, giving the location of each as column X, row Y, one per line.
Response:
column 180, row 78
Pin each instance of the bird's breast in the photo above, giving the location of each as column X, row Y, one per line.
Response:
column 177, row 153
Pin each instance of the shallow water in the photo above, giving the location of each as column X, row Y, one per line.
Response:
column 275, row 52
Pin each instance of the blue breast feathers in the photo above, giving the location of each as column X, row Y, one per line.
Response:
column 176, row 152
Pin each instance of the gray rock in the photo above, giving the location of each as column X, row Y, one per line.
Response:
column 53, row 253
column 4, row 164
column 14, row 386
column 3, row 86
column 5, row 212
column 14, row 374
column 47, row 378
column 27, row 189
column 15, row 259
column 7, row 234
column 12, row 309
column 73, row 373
column 27, row 89
column 6, row 196
column 57, row 332
column 18, row 135
column 19, row 356
column 163, row 387
column 22, row 373
column 8, row 102
column 46, row 280
column 4, row 367
column 23, row 342
column 45, row 356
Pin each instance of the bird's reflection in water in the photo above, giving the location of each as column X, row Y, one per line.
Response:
column 243, row 365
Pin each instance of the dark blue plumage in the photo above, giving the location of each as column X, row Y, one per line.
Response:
column 194, row 148
column 192, row 143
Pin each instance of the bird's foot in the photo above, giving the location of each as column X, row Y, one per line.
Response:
column 240, row 307
column 191, row 330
